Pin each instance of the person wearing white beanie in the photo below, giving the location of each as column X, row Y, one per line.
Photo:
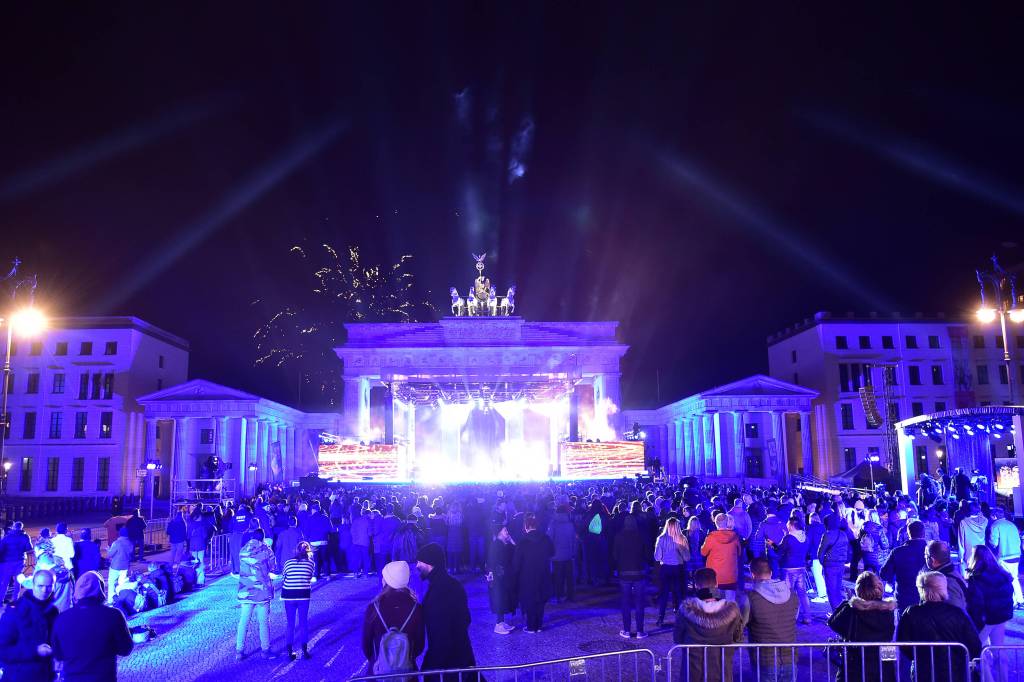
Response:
column 395, row 607
column 396, row 575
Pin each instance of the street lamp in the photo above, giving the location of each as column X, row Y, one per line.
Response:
column 28, row 321
column 7, row 470
column 151, row 468
column 1002, row 304
column 252, row 469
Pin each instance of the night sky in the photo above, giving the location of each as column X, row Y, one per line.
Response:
column 704, row 174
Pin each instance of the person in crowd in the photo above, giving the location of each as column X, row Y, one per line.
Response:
column 136, row 526
column 500, row 580
column 14, row 547
column 595, row 543
column 384, row 537
column 937, row 558
column 296, row 590
column 88, row 638
column 695, row 536
column 64, row 546
column 873, row 542
column 360, row 548
column 563, row 536
column 770, row 612
column 315, row 532
column 241, row 524
column 722, row 552
column 87, row 554
column 961, row 485
column 865, row 617
column 628, row 557
column 936, row 619
column 989, row 600
column 177, row 536
column 707, row 619
column 833, row 553
column 770, row 531
column 531, row 562
column 815, row 531
column 671, row 552
column 199, row 532
column 255, row 592
column 119, row 558
column 971, row 532
column 43, row 544
column 455, row 543
column 742, row 523
column 396, row 607
column 287, row 540
column 1004, row 539
column 856, row 517
column 793, row 564
column 26, row 629
column 446, row 615
column 903, row 565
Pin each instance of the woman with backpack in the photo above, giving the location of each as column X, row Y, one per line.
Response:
column 393, row 628
column 295, row 593
column 671, row 551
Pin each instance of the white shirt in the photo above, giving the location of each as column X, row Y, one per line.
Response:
column 64, row 547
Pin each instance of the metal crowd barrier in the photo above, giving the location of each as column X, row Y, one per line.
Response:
column 1002, row 663
column 807, row 662
column 219, row 554
column 635, row 665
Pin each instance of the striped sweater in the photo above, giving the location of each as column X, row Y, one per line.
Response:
column 298, row 574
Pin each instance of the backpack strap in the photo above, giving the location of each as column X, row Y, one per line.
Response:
column 376, row 607
column 409, row 617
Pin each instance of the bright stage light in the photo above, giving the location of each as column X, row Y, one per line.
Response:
column 1017, row 315
column 986, row 315
column 28, row 322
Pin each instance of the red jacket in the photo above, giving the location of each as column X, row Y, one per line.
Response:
column 722, row 549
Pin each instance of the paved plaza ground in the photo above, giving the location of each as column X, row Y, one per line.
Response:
column 196, row 635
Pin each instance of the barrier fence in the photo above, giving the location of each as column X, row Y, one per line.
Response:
column 220, row 554
column 1002, row 663
column 806, row 662
column 635, row 665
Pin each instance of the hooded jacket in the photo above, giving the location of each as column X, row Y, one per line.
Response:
column 25, row 625
column 716, row 621
column 938, row 621
column 990, row 597
column 772, row 528
column 793, row 550
column 256, row 561
column 628, row 552
column 865, row 620
column 972, row 533
column 563, row 535
column 771, row 618
column 722, row 550
column 1005, row 540
column 902, row 567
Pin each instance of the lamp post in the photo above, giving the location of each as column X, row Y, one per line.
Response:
column 1003, row 287
column 29, row 322
column 151, row 469
column 7, row 471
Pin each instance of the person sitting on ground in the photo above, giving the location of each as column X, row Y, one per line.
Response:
column 866, row 617
column 396, row 607
column 708, row 619
column 770, row 615
column 936, row 619
column 937, row 558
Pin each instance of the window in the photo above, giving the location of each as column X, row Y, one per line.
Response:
column 750, row 430
column 111, row 348
column 25, row 484
column 160, row 361
column 103, row 473
column 1020, row 342
column 97, row 383
column 56, row 422
column 58, row 383
column 936, row 375
column 37, row 348
column 80, row 420
column 5, row 422
column 106, row 424
column 917, row 409
column 62, row 348
column 999, row 341
column 940, row 406
column 108, row 386
column 1003, row 375
column 78, row 474
column 1022, row 374
column 844, row 377
column 894, row 412
column 979, row 341
column 846, row 413
column 887, row 342
column 28, row 430
column 792, row 356
column 933, row 342
column 159, row 384
column 850, row 455
column 796, row 378
column 14, row 348
column 864, row 342
column 922, row 455
column 911, row 342
column 206, row 436
column 982, row 375
column 33, row 383
column 841, row 343
column 915, row 375
column 85, row 348
column 874, row 454
column 83, row 387
column 52, row 473
column 891, row 375
column 10, row 383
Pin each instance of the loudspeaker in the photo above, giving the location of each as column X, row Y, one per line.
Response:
column 867, row 401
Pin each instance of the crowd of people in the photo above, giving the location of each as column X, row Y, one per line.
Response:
column 735, row 565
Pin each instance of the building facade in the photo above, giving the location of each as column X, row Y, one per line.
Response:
column 76, row 427
column 751, row 431
column 934, row 365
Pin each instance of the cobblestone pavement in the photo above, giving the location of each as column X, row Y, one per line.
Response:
column 196, row 634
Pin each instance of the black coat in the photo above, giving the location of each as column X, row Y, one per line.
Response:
column 499, row 565
column 860, row 620
column 990, row 598
column 446, row 617
column 939, row 622
column 531, row 566
column 902, row 567
column 23, row 627
column 14, row 546
column 87, row 556
column 89, row 637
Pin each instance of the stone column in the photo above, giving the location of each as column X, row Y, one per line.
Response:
column 698, row 445
column 687, row 467
column 708, row 425
column 252, row 435
column 289, row 460
column 389, row 415
column 410, row 438
column 263, row 454
column 150, row 439
column 350, row 405
column 275, row 437
column 723, row 462
column 680, row 448
column 805, row 443
column 779, row 434
column 612, row 393
column 739, row 441
column 364, row 409
column 574, row 414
